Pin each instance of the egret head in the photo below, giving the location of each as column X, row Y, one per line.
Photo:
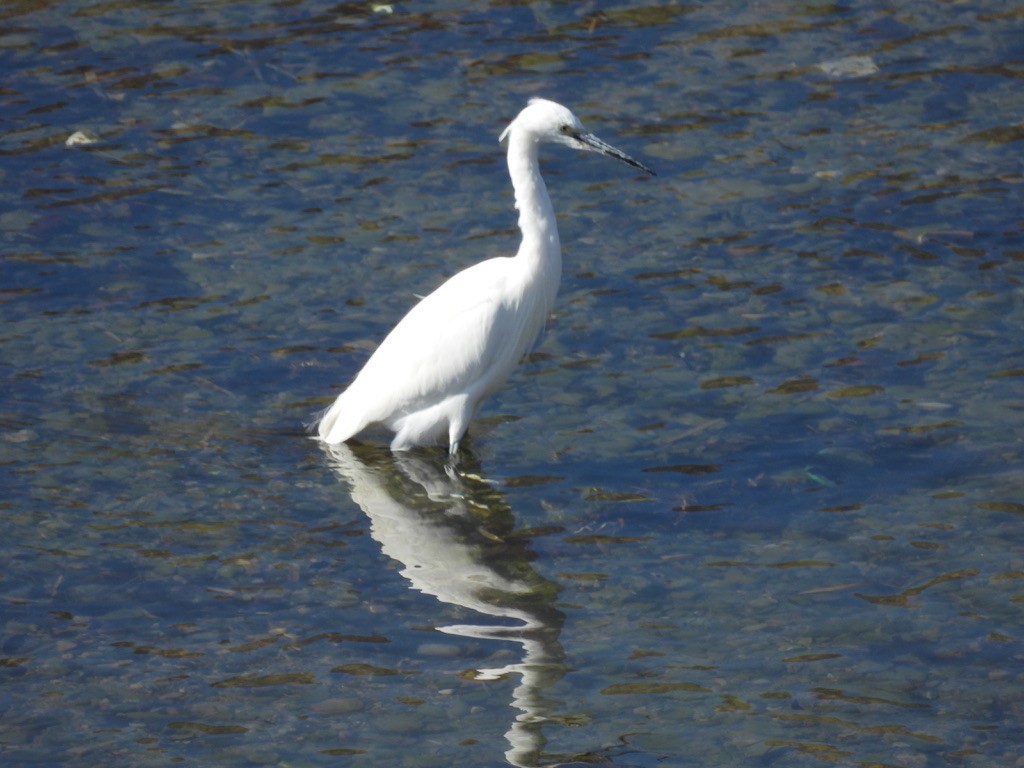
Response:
column 543, row 120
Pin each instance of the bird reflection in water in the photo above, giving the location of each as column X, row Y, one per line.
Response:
column 451, row 531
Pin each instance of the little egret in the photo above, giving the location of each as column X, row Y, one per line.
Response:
column 458, row 345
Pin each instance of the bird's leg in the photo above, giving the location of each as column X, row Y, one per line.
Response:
column 457, row 427
column 451, row 461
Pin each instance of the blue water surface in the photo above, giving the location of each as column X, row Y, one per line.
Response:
column 755, row 499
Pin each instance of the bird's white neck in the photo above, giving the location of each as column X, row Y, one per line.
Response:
column 540, row 246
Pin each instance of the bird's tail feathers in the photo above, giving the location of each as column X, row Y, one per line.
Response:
column 338, row 423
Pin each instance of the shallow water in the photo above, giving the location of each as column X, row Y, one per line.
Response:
column 754, row 500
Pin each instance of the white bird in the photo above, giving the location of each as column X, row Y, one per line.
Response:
column 459, row 344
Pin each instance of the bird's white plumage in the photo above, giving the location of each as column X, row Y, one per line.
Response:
column 405, row 386
column 459, row 344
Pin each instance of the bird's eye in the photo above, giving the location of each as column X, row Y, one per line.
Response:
column 566, row 129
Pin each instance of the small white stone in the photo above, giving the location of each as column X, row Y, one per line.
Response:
column 849, row 66
column 79, row 138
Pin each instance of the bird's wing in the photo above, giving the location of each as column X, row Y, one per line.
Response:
column 445, row 344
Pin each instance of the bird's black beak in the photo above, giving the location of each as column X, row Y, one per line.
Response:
column 591, row 142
